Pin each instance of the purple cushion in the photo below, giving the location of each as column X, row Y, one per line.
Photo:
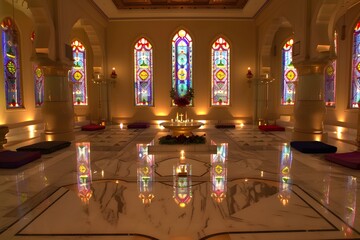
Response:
column 313, row 147
column 350, row 159
column 45, row 147
column 225, row 125
column 92, row 127
column 268, row 128
column 138, row 125
column 12, row 159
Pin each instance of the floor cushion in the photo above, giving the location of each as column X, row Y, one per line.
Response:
column 45, row 147
column 313, row 147
column 138, row 125
column 92, row 127
column 12, row 159
column 268, row 128
column 350, row 159
column 224, row 125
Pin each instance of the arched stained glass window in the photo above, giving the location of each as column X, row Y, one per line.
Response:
column 330, row 79
column 220, row 73
column 355, row 82
column 38, row 81
column 78, row 74
column 11, row 59
column 143, row 73
column 182, row 63
column 289, row 75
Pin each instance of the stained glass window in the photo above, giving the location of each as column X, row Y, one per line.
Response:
column 182, row 63
column 11, row 59
column 355, row 86
column 220, row 73
column 78, row 74
column 143, row 73
column 330, row 79
column 289, row 75
column 38, row 80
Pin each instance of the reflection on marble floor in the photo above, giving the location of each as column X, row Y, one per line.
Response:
column 238, row 192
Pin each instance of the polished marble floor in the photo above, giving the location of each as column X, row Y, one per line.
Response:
column 120, row 184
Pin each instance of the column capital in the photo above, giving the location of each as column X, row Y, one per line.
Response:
column 51, row 67
column 310, row 67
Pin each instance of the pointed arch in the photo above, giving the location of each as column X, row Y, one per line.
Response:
column 182, row 63
column 143, row 67
column 11, row 59
column 220, row 72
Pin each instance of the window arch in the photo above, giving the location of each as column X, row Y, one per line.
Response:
column 143, row 62
column 330, row 79
column 11, row 59
column 220, row 72
column 355, row 78
column 78, row 73
column 182, row 63
column 289, row 74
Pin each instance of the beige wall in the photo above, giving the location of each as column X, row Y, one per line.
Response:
column 122, row 36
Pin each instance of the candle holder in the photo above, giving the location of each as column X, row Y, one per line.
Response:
column 249, row 76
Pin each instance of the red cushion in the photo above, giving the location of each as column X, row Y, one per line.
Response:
column 271, row 128
column 92, row 127
column 350, row 159
column 12, row 159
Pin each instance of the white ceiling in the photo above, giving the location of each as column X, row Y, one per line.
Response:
column 251, row 8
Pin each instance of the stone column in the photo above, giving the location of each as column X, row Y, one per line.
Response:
column 57, row 110
column 309, row 109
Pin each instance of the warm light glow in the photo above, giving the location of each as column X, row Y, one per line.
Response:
column 31, row 131
column 242, row 125
column 339, row 132
column 121, row 125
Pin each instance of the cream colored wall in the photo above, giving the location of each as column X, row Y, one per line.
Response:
column 29, row 112
column 121, row 37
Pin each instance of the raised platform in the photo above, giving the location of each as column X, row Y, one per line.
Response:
column 204, row 148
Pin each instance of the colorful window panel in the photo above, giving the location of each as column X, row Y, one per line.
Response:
column 143, row 73
column 11, row 59
column 78, row 74
column 355, row 86
column 220, row 79
column 38, row 80
column 289, row 75
column 39, row 85
column 182, row 63
column 330, row 79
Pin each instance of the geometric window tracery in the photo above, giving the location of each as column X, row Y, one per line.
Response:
column 182, row 63
column 289, row 75
column 355, row 82
column 78, row 74
column 11, row 60
column 143, row 73
column 220, row 84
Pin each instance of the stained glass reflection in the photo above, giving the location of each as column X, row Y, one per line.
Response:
column 84, row 171
column 285, row 167
column 218, row 172
column 182, row 182
column 145, row 173
column 350, row 204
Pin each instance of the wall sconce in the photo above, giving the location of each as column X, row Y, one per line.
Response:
column 249, row 76
column 113, row 74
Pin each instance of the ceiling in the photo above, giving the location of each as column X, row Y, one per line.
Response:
column 155, row 9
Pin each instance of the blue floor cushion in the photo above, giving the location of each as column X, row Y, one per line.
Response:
column 138, row 125
column 349, row 159
column 12, row 159
column 225, row 125
column 313, row 147
column 45, row 147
